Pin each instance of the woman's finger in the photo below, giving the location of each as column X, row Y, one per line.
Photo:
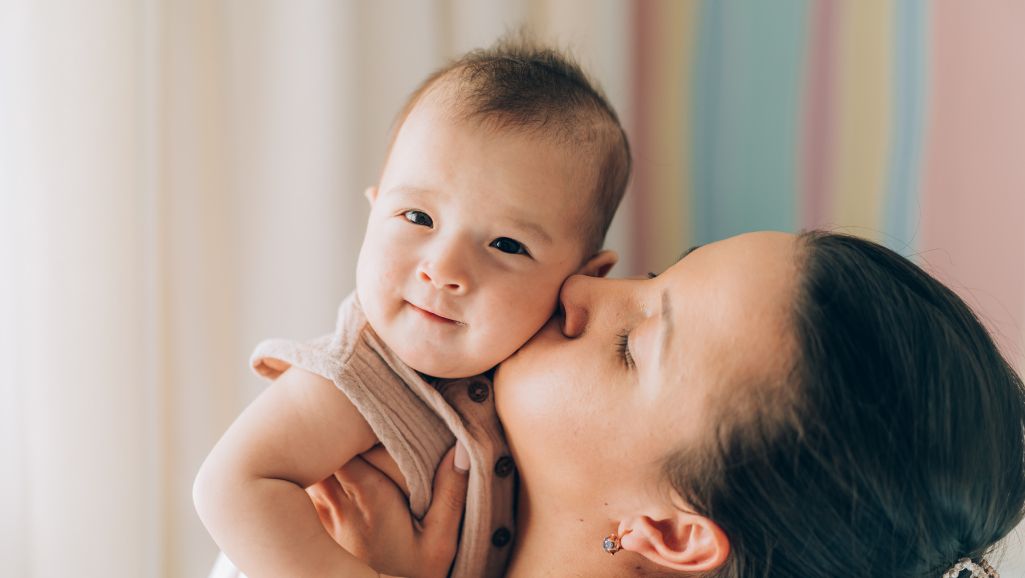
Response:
column 379, row 457
column 441, row 524
column 327, row 493
column 334, row 508
column 363, row 483
column 358, row 474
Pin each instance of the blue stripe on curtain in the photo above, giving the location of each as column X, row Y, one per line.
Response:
column 903, row 204
column 746, row 123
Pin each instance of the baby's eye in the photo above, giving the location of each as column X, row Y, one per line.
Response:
column 507, row 245
column 418, row 218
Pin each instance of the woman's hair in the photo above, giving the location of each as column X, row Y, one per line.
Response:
column 892, row 447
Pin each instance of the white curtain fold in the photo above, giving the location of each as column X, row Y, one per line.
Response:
column 80, row 483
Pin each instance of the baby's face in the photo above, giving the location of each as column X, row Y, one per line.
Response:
column 470, row 236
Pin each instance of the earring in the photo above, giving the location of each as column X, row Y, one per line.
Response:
column 612, row 542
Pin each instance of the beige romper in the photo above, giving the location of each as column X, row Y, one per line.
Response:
column 417, row 423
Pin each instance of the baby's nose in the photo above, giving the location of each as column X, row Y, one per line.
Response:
column 446, row 263
column 440, row 280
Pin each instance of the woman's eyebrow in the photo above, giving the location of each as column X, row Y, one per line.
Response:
column 667, row 321
column 688, row 252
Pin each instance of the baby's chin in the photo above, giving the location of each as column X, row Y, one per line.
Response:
column 440, row 368
column 431, row 364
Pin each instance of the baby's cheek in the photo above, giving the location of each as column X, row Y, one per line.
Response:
column 519, row 321
column 384, row 274
column 390, row 276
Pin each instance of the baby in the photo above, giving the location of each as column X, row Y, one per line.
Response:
column 503, row 174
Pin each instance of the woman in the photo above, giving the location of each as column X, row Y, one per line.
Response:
column 771, row 405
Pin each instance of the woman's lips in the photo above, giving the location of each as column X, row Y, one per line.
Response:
column 430, row 315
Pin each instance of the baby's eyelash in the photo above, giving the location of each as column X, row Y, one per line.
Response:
column 623, row 347
column 509, row 246
column 418, row 217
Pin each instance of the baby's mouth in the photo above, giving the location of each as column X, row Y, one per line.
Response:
column 434, row 316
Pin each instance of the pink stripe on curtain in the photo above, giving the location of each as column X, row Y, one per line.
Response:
column 640, row 133
column 819, row 127
column 973, row 197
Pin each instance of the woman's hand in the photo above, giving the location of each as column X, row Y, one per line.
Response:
column 369, row 516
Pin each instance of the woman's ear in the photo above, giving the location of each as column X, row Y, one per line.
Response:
column 371, row 194
column 599, row 265
column 683, row 541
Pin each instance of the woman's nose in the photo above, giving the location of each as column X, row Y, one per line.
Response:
column 445, row 269
column 575, row 299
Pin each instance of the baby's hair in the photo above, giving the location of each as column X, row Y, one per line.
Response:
column 518, row 85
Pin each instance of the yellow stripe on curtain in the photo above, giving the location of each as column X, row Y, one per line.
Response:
column 670, row 192
column 863, row 125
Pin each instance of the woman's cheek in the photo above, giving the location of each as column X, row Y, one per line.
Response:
column 545, row 395
column 520, row 394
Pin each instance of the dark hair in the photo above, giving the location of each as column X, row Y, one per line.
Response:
column 517, row 85
column 894, row 446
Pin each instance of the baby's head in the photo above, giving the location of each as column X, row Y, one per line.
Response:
column 503, row 174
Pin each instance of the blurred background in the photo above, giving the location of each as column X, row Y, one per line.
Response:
column 182, row 178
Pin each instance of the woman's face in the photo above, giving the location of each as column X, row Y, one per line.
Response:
column 588, row 425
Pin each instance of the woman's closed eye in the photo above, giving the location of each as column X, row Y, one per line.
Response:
column 511, row 246
column 418, row 218
column 623, row 348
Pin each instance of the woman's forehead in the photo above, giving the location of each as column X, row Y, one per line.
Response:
column 734, row 300
column 753, row 270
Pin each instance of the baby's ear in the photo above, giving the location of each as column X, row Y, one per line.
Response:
column 371, row 194
column 599, row 265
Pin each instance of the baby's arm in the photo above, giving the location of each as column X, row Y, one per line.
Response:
column 250, row 490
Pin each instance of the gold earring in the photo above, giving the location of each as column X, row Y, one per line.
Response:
column 613, row 542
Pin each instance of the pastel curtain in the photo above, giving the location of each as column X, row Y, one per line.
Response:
column 899, row 121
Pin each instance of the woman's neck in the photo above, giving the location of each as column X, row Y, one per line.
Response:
column 554, row 540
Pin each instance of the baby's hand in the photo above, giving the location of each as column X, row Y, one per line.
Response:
column 369, row 516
